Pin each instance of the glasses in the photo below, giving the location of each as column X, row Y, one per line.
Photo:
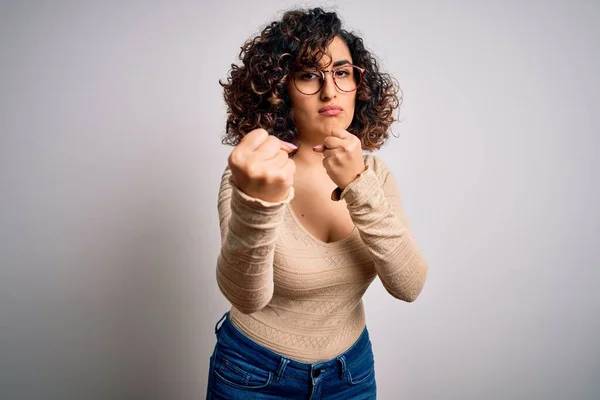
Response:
column 347, row 78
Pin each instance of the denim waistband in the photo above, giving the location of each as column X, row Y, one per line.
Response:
column 276, row 362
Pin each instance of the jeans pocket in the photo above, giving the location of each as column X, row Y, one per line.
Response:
column 238, row 370
column 360, row 370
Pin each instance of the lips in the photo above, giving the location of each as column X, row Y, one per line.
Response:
column 330, row 110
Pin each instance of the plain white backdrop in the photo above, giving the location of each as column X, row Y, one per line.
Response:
column 110, row 158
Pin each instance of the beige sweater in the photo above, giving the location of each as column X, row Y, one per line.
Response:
column 300, row 296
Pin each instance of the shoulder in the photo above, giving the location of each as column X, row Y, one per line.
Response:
column 379, row 167
column 225, row 187
column 225, row 176
column 227, row 170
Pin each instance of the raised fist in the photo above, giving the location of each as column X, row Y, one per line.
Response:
column 261, row 167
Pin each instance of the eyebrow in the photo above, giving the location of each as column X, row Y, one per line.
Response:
column 341, row 62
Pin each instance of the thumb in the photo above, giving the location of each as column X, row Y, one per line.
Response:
column 319, row 148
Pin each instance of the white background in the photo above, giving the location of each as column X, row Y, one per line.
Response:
column 110, row 157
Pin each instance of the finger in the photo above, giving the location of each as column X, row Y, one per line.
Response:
column 319, row 148
column 280, row 160
column 269, row 149
column 329, row 143
column 340, row 133
column 254, row 139
column 329, row 153
column 332, row 142
column 277, row 165
column 290, row 170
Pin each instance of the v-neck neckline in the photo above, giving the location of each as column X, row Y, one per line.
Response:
column 335, row 243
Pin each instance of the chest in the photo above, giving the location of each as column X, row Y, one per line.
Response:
column 319, row 251
column 308, row 268
column 326, row 220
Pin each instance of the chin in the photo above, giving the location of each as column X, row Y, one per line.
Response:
column 333, row 123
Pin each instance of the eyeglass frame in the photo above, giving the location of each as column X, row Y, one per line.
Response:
column 330, row 71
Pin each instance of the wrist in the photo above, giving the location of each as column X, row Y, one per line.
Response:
column 336, row 195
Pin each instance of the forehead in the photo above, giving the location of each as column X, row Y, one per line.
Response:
column 336, row 50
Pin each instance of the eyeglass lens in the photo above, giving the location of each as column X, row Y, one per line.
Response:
column 346, row 78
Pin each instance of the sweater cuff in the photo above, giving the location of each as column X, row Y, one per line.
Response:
column 247, row 201
column 362, row 188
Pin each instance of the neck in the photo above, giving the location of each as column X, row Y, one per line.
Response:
column 306, row 156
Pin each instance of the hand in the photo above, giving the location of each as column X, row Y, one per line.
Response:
column 261, row 168
column 343, row 159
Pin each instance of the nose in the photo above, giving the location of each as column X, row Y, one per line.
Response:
column 328, row 91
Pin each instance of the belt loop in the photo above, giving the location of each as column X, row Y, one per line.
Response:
column 282, row 364
column 217, row 327
column 342, row 361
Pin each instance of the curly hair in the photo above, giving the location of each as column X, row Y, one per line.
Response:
column 256, row 92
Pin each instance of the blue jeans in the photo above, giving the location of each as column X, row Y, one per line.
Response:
column 240, row 368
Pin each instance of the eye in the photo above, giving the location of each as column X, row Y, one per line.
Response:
column 342, row 73
column 309, row 75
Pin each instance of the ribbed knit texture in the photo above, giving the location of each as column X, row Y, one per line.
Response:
column 302, row 297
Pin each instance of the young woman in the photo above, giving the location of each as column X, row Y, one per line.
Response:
column 307, row 221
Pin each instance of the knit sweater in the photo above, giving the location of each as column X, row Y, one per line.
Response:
column 300, row 296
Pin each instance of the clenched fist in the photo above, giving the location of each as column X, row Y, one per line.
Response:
column 342, row 157
column 261, row 168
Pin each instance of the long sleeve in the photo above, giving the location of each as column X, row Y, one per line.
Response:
column 376, row 209
column 248, row 234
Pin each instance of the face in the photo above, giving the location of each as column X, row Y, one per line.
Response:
column 312, row 118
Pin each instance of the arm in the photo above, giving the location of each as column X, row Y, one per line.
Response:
column 376, row 210
column 248, row 235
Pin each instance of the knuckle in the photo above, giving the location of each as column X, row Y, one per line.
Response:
column 292, row 166
column 253, row 172
column 258, row 133
column 284, row 155
column 235, row 158
column 271, row 175
column 273, row 142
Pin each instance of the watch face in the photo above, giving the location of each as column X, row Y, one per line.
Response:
column 336, row 194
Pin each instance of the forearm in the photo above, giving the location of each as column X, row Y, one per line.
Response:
column 245, row 263
column 397, row 258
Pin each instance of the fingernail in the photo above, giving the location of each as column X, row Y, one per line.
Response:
column 289, row 145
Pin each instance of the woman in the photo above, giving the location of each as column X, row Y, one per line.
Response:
column 307, row 221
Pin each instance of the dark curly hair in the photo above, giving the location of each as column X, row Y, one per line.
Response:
column 256, row 92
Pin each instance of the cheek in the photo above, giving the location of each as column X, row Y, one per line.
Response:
column 301, row 107
column 351, row 107
column 299, row 113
